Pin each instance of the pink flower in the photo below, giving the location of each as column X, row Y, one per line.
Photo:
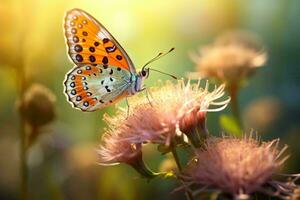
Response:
column 160, row 121
column 114, row 150
column 232, row 57
column 238, row 167
column 174, row 109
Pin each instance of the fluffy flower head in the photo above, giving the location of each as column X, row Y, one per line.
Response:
column 114, row 149
column 230, row 59
column 160, row 119
column 238, row 167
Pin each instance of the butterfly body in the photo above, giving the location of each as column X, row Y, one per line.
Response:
column 103, row 72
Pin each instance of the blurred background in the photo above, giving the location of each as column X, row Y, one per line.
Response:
column 62, row 161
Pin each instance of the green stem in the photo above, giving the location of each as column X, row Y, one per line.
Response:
column 176, row 158
column 233, row 91
column 142, row 168
column 188, row 194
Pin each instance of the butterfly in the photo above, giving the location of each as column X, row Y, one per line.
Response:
column 103, row 72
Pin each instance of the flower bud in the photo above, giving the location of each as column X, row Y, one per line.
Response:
column 37, row 107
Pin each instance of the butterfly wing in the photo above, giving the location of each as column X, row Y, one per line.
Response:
column 90, row 88
column 89, row 42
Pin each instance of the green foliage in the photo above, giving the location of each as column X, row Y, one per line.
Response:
column 230, row 125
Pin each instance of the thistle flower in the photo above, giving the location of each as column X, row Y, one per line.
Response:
column 181, row 108
column 173, row 109
column 115, row 150
column 232, row 58
column 37, row 108
column 239, row 167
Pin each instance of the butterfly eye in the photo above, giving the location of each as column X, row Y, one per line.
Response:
column 144, row 73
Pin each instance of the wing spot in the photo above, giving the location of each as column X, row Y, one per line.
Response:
column 79, row 71
column 78, row 98
column 110, row 49
column 79, row 58
column 102, row 82
column 84, row 22
column 72, row 84
column 105, row 40
column 83, row 78
column 107, row 89
column 84, row 33
column 75, row 39
column 78, row 48
column 73, row 30
column 84, row 83
column 88, row 67
column 119, row 57
column 73, row 77
column 96, row 44
column 110, row 101
column 85, row 88
column 73, row 92
column 100, row 70
column 105, row 60
column 89, row 94
column 92, row 49
column 105, row 66
column 101, row 101
column 75, row 17
column 72, row 23
column 119, row 69
column 86, row 104
column 111, row 79
column 83, row 40
column 111, row 71
column 79, row 25
column 92, row 58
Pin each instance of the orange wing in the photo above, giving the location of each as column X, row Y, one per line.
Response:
column 90, row 43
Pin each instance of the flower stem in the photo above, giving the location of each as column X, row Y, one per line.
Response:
column 188, row 194
column 233, row 91
column 139, row 165
column 22, row 134
column 23, row 154
column 176, row 158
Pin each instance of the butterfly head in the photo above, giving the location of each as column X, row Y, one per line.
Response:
column 144, row 73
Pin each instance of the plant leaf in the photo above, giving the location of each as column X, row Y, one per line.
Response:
column 230, row 125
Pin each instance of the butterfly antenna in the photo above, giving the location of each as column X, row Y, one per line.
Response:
column 164, row 73
column 160, row 55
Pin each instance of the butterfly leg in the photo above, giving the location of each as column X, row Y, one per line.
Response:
column 147, row 95
column 128, row 107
